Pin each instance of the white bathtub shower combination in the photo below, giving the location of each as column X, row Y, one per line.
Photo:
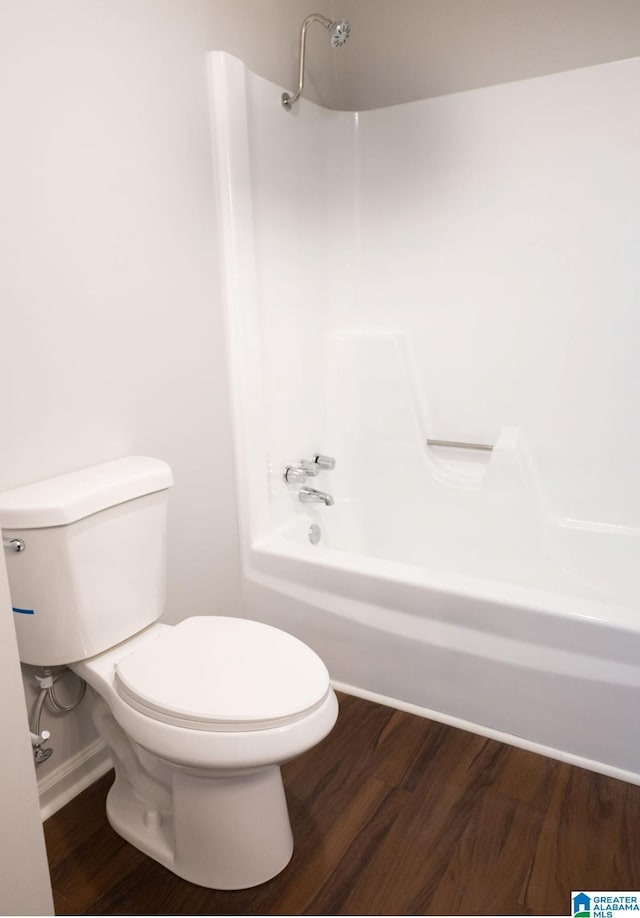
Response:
column 457, row 269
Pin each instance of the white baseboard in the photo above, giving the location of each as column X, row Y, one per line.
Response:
column 72, row 777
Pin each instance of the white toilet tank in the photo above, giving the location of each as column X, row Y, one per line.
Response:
column 93, row 568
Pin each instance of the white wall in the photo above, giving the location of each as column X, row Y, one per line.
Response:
column 414, row 49
column 112, row 330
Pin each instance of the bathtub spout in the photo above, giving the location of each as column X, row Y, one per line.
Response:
column 311, row 496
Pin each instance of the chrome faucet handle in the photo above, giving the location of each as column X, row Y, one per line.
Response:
column 295, row 474
column 317, row 464
column 325, row 462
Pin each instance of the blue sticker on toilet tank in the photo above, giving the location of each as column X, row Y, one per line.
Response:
column 23, row 611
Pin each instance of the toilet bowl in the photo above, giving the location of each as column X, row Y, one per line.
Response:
column 198, row 716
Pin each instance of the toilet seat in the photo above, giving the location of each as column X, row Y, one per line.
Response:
column 223, row 674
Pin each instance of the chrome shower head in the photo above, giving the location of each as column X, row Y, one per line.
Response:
column 338, row 34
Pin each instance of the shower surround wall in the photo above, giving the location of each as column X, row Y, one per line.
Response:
column 457, row 268
column 498, row 231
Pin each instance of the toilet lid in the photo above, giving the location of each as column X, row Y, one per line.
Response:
column 218, row 673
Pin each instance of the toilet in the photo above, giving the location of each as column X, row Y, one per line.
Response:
column 198, row 717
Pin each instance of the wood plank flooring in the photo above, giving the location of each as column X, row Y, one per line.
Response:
column 392, row 815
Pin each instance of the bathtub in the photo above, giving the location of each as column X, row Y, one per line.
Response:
column 552, row 667
column 455, row 585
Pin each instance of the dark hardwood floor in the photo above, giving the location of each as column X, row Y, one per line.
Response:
column 392, row 815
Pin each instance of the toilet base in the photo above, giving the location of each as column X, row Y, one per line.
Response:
column 218, row 816
column 223, row 833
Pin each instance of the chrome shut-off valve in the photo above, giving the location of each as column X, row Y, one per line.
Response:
column 38, row 740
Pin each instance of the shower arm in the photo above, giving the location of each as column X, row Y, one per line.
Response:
column 288, row 100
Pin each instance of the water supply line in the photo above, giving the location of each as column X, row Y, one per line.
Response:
column 47, row 681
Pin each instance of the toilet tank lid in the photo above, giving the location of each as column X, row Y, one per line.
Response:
column 67, row 498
